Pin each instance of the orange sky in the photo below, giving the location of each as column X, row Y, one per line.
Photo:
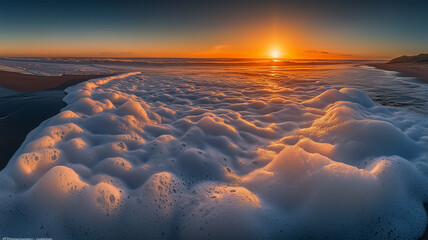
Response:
column 219, row 29
column 239, row 42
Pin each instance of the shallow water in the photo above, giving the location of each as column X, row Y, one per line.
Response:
column 384, row 87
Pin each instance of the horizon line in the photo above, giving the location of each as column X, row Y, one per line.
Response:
column 262, row 58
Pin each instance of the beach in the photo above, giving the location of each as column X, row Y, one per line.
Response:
column 177, row 149
column 214, row 120
column 418, row 70
column 31, row 83
column 138, row 138
column 32, row 100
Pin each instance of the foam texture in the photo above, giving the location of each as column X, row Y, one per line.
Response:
column 141, row 156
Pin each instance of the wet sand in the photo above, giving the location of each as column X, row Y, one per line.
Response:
column 32, row 100
column 418, row 70
column 425, row 236
column 31, row 83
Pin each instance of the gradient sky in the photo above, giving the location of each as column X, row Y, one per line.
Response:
column 297, row 29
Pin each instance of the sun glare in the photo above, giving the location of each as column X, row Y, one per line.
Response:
column 275, row 53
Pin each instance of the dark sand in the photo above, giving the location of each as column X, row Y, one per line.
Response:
column 425, row 236
column 418, row 70
column 31, row 83
column 37, row 98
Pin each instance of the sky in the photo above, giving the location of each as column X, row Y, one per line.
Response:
column 326, row 29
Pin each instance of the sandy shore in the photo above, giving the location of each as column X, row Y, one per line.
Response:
column 24, row 110
column 21, row 112
column 425, row 236
column 418, row 70
column 32, row 83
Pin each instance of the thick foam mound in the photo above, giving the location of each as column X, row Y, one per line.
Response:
column 139, row 156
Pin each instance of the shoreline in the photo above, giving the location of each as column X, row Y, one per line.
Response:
column 25, row 102
column 416, row 70
column 425, row 236
column 33, row 83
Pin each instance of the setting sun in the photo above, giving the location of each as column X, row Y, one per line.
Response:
column 275, row 54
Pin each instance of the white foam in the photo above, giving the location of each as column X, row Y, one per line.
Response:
column 145, row 156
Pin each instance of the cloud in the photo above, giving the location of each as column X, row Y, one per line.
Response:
column 116, row 53
column 219, row 47
column 328, row 53
column 220, row 50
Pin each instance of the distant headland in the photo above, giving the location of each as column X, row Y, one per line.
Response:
column 412, row 66
column 421, row 58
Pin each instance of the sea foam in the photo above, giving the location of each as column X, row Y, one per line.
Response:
column 141, row 156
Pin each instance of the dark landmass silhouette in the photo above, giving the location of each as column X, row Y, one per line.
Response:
column 409, row 66
column 421, row 58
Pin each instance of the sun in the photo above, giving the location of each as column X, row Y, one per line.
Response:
column 275, row 53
